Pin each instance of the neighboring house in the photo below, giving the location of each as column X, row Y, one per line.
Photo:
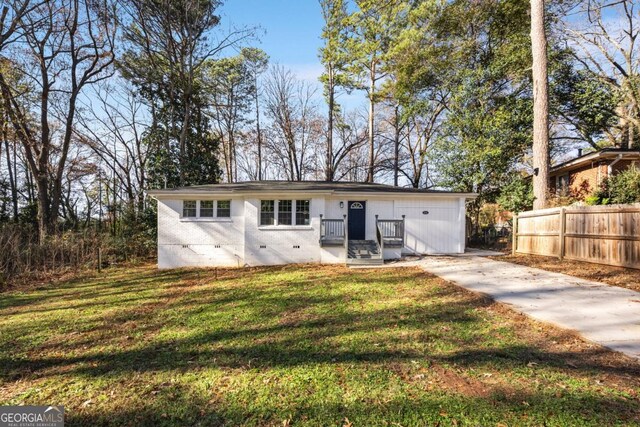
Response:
column 281, row 222
column 583, row 175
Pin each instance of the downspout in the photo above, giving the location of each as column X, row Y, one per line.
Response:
column 610, row 168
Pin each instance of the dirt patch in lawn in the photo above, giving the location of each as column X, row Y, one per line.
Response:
column 615, row 276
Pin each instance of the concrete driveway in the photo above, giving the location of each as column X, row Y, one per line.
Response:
column 603, row 314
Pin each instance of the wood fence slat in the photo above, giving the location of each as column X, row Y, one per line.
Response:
column 596, row 234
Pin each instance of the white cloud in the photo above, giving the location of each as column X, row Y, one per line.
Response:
column 307, row 72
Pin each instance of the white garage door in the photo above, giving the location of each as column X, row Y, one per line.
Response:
column 435, row 232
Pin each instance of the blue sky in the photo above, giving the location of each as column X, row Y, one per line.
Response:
column 290, row 34
column 290, row 30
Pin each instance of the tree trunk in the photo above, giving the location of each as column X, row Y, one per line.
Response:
column 396, row 147
column 45, row 223
column 186, row 122
column 372, row 88
column 331, row 102
column 540, row 105
column 259, row 134
column 11, row 168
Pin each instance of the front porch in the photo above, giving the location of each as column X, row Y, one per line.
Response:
column 334, row 233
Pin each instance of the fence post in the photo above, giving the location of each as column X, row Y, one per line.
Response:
column 514, row 232
column 99, row 259
column 563, row 229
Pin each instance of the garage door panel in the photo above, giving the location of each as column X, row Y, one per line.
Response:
column 435, row 232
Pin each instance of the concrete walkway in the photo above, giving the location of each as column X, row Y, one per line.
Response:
column 607, row 315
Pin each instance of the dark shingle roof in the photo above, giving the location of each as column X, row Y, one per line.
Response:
column 298, row 186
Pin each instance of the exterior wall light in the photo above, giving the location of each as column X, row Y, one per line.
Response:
column 341, row 205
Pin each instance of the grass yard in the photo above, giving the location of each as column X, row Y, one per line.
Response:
column 299, row 346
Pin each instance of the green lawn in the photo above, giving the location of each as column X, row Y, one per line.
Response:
column 296, row 346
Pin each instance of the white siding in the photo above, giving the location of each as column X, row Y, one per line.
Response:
column 439, row 231
column 332, row 255
column 279, row 241
column 199, row 242
column 240, row 241
column 384, row 210
column 333, row 209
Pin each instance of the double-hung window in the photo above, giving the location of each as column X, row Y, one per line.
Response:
column 189, row 209
column 223, row 209
column 206, row 209
column 267, row 212
column 284, row 212
column 302, row 212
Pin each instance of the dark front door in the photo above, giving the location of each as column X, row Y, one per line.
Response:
column 357, row 220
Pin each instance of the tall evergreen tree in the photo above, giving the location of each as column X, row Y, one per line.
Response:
column 257, row 62
column 167, row 44
column 373, row 28
column 334, row 58
column 540, row 105
column 473, row 60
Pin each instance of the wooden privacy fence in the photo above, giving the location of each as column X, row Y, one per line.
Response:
column 599, row 234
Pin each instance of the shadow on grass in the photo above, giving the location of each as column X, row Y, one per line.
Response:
column 86, row 288
column 261, row 343
column 317, row 319
column 180, row 406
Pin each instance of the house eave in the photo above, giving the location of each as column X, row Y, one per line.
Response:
column 589, row 159
column 180, row 194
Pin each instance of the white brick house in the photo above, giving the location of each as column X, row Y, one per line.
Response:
column 281, row 222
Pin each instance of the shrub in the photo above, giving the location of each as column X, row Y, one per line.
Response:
column 625, row 186
column 517, row 195
column 23, row 258
column 622, row 188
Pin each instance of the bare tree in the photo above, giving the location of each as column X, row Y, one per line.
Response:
column 113, row 128
column 350, row 148
column 295, row 122
column 422, row 131
column 69, row 46
column 604, row 38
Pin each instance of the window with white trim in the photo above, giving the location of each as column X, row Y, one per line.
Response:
column 303, row 212
column 267, row 212
column 206, row 208
column 285, row 212
column 223, row 208
column 189, row 208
